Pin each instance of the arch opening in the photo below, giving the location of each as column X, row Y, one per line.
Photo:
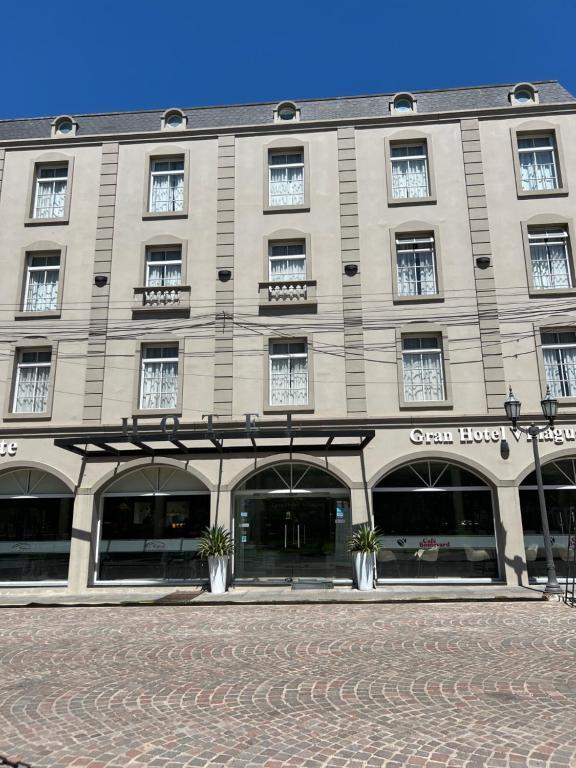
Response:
column 35, row 527
column 150, row 523
column 436, row 521
column 292, row 520
column 559, row 480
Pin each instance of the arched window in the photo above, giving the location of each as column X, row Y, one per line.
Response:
column 64, row 126
column 150, row 524
column 174, row 120
column 523, row 95
column 436, row 521
column 286, row 111
column 559, row 479
column 403, row 103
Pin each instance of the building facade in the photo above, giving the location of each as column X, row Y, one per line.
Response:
column 288, row 319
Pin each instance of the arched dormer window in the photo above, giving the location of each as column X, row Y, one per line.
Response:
column 174, row 120
column 523, row 95
column 64, row 126
column 402, row 103
column 286, row 112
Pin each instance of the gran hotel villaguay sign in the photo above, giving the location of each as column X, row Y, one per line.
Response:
column 471, row 435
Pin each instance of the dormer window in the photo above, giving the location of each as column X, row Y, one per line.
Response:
column 286, row 112
column 64, row 126
column 174, row 120
column 403, row 103
column 523, row 95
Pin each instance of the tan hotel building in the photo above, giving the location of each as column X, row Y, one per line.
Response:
column 362, row 276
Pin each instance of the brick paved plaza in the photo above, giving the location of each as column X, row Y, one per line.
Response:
column 487, row 684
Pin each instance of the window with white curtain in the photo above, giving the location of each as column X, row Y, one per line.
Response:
column 32, row 381
column 559, row 351
column 423, row 369
column 287, row 261
column 537, row 157
column 409, row 170
column 286, row 177
column 159, row 377
column 416, row 265
column 50, row 192
column 288, row 373
column 167, row 185
column 42, row 278
column 549, row 254
column 163, row 267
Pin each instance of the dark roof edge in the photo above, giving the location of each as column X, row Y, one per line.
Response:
column 161, row 110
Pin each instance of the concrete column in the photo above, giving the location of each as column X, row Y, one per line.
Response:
column 221, row 509
column 81, row 542
column 360, row 512
column 510, row 536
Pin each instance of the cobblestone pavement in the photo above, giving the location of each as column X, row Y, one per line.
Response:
column 461, row 685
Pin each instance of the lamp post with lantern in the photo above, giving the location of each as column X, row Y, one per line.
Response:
column 550, row 409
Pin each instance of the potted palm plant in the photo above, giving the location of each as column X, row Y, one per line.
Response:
column 364, row 544
column 216, row 544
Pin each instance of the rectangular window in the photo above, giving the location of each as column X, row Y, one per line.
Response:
column 163, row 267
column 288, row 373
column 286, row 177
column 549, row 255
column 559, row 351
column 409, row 171
column 167, row 185
column 416, row 265
column 32, row 381
column 423, row 369
column 42, row 278
column 287, row 261
column 159, row 378
column 538, row 166
column 50, row 192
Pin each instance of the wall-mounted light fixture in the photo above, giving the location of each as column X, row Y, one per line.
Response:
column 351, row 269
column 483, row 262
column 101, row 280
column 224, row 275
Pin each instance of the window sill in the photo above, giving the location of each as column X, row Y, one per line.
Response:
column 536, row 293
column 559, row 192
column 153, row 412
column 429, row 200
column 27, row 416
column 288, row 409
column 31, row 315
column 45, row 222
column 165, row 215
column 286, row 208
column 426, row 405
column 431, row 297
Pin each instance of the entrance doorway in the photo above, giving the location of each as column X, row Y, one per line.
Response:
column 292, row 521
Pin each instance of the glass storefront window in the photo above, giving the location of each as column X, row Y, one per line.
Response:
column 153, row 537
column 35, row 538
column 436, row 521
column 559, row 478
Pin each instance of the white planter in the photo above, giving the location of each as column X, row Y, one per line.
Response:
column 217, row 567
column 364, row 566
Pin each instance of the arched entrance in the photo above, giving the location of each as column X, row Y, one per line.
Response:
column 436, row 521
column 35, row 527
column 559, row 479
column 291, row 520
column 150, row 522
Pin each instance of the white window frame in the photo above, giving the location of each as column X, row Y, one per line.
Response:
column 301, row 196
column 173, row 359
column 289, row 356
column 52, row 181
column 438, row 352
column 20, row 366
column 31, row 268
column 544, row 237
column 296, row 257
column 415, row 244
column 563, row 383
column 149, row 261
column 535, row 150
column 405, row 159
column 171, row 173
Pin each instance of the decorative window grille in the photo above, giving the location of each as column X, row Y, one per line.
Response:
column 42, row 278
column 50, row 193
column 167, row 185
column 410, row 171
column 549, row 250
column 287, row 261
column 416, row 265
column 286, row 177
column 537, row 155
column 288, row 373
column 159, row 378
column 32, row 381
column 559, row 351
column 163, row 267
column 423, row 370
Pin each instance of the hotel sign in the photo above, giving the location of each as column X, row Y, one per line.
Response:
column 7, row 449
column 471, row 435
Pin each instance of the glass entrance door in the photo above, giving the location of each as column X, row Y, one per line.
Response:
column 289, row 536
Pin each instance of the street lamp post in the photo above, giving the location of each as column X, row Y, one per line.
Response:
column 550, row 410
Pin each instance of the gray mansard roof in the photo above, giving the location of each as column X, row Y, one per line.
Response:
column 349, row 107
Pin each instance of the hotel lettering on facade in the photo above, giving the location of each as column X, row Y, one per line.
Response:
column 288, row 319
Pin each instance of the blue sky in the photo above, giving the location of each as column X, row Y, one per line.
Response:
column 58, row 58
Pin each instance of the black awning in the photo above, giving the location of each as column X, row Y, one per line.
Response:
column 190, row 442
